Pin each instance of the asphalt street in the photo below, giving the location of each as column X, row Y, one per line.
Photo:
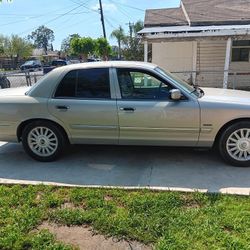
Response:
column 163, row 168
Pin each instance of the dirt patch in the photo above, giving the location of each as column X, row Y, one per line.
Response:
column 84, row 238
column 68, row 205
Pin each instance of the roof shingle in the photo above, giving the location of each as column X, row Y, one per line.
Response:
column 216, row 12
column 201, row 12
column 165, row 17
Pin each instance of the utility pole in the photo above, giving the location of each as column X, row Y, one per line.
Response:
column 102, row 19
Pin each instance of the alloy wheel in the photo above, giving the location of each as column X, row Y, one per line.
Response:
column 238, row 144
column 42, row 141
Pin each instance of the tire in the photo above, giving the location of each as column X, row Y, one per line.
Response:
column 234, row 144
column 43, row 141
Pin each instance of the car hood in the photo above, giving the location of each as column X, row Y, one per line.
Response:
column 14, row 91
column 226, row 96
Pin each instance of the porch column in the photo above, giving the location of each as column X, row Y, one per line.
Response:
column 145, row 51
column 227, row 62
column 194, row 69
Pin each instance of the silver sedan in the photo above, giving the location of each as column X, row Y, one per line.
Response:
column 124, row 103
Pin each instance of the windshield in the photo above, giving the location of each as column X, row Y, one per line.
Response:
column 29, row 62
column 184, row 85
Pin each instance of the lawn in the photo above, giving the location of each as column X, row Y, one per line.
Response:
column 166, row 220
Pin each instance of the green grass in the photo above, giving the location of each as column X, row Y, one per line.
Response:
column 166, row 220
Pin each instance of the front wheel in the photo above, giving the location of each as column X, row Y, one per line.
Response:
column 43, row 141
column 234, row 144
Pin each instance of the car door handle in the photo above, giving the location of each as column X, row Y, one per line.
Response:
column 62, row 108
column 129, row 109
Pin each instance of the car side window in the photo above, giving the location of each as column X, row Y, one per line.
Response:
column 139, row 84
column 67, row 87
column 85, row 84
column 93, row 83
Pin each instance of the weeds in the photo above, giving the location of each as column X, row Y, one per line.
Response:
column 168, row 220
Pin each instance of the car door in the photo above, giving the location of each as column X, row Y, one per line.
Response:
column 147, row 115
column 84, row 102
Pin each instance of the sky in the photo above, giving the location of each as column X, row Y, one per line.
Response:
column 65, row 17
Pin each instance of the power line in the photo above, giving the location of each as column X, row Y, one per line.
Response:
column 12, row 14
column 122, row 10
column 109, row 23
column 74, row 24
column 85, row 6
column 52, row 20
column 142, row 10
column 215, row 15
column 34, row 17
column 29, row 18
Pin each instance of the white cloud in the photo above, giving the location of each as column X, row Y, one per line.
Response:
column 109, row 7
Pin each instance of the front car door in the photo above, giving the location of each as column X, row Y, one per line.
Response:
column 148, row 116
column 85, row 103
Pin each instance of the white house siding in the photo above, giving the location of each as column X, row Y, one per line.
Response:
column 174, row 56
column 178, row 57
column 242, row 78
column 211, row 62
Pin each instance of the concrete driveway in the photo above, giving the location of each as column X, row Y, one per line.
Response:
column 130, row 167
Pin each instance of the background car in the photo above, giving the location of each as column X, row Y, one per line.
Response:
column 31, row 65
column 54, row 64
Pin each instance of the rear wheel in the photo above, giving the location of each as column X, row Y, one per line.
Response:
column 43, row 141
column 234, row 144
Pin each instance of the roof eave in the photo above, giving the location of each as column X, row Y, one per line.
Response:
column 188, row 32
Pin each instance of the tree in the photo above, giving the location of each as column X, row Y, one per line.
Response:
column 82, row 46
column 119, row 35
column 133, row 49
column 65, row 46
column 103, row 49
column 19, row 47
column 15, row 46
column 4, row 43
column 139, row 25
column 42, row 37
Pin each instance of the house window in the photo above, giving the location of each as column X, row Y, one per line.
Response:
column 241, row 51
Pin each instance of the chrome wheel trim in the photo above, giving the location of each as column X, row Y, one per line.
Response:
column 238, row 144
column 42, row 141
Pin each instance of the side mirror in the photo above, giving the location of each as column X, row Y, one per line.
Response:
column 175, row 94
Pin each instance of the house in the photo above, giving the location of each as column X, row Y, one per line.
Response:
column 45, row 56
column 207, row 42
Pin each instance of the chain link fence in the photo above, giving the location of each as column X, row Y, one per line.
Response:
column 236, row 80
column 20, row 79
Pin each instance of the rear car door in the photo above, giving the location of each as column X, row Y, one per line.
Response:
column 84, row 102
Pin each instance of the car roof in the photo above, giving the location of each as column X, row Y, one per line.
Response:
column 122, row 64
